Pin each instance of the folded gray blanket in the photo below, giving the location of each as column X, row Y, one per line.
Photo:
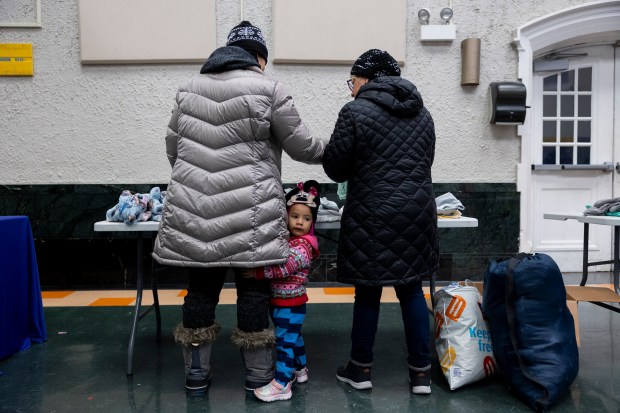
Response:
column 447, row 204
column 603, row 206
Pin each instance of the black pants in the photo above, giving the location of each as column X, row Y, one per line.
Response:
column 203, row 295
column 415, row 319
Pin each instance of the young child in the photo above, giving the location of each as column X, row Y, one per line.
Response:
column 288, row 294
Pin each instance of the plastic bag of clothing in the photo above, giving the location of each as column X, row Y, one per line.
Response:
column 462, row 337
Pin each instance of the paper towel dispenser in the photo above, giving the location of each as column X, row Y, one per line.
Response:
column 507, row 101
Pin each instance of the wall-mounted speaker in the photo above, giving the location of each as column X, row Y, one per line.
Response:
column 507, row 101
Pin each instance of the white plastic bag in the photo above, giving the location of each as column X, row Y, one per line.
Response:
column 462, row 337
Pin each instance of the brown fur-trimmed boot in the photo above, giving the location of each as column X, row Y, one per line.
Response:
column 257, row 354
column 196, row 344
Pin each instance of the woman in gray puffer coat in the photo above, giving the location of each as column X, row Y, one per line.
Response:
column 383, row 145
column 225, row 202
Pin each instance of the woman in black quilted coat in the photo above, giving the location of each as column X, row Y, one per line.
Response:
column 383, row 144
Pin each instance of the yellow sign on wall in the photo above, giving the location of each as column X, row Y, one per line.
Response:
column 16, row 59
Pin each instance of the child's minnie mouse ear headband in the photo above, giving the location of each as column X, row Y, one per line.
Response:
column 306, row 193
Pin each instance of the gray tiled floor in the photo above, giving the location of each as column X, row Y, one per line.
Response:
column 82, row 369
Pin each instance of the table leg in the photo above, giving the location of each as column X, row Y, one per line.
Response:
column 432, row 288
column 136, row 316
column 586, row 234
column 616, row 257
column 156, row 305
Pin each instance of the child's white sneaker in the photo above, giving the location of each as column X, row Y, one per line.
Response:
column 301, row 375
column 273, row 391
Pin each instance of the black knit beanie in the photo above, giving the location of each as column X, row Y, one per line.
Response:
column 248, row 37
column 375, row 63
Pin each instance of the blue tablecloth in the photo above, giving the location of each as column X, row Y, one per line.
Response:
column 21, row 307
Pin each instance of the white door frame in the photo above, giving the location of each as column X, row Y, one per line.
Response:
column 590, row 23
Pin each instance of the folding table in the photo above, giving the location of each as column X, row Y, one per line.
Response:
column 140, row 228
column 596, row 295
column 21, row 306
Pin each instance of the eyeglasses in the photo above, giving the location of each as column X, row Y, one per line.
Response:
column 350, row 83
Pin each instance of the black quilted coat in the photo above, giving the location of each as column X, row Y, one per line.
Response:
column 384, row 144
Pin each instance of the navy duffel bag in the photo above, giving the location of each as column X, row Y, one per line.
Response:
column 532, row 330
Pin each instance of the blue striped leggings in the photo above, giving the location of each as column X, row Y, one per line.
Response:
column 290, row 347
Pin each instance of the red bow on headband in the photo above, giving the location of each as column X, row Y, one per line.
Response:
column 312, row 191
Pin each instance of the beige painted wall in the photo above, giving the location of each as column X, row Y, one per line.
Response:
column 75, row 123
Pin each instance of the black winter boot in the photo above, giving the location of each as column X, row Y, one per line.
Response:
column 196, row 345
column 197, row 368
column 420, row 380
column 356, row 375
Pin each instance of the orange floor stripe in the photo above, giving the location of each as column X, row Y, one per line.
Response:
column 56, row 294
column 339, row 291
column 182, row 293
column 112, row 302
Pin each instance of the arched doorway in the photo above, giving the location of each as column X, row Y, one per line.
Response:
column 570, row 141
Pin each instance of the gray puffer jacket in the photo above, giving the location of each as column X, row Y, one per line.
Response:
column 225, row 203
